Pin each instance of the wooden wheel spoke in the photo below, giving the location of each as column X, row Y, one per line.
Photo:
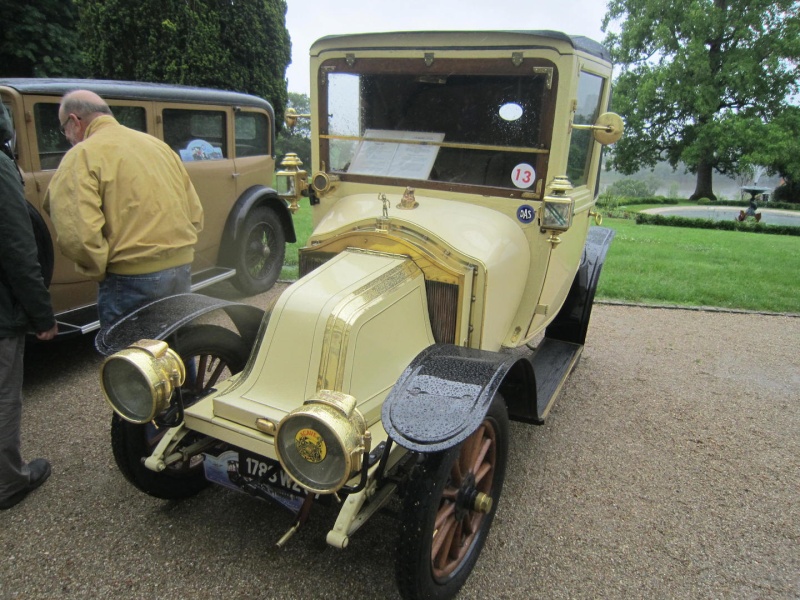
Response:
column 485, row 468
column 471, row 449
column 483, row 451
column 442, row 541
column 457, row 541
column 444, row 513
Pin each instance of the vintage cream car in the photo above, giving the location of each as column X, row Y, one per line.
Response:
column 446, row 287
column 227, row 143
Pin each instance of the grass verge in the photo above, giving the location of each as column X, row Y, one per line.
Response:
column 698, row 267
column 670, row 265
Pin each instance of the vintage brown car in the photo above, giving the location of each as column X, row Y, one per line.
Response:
column 227, row 142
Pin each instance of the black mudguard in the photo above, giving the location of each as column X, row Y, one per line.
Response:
column 160, row 318
column 444, row 394
column 572, row 321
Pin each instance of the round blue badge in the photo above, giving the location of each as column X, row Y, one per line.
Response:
column 526, row 214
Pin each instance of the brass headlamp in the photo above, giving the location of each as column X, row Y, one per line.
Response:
column 138, row 382
column 291, row 181
column 322, row 444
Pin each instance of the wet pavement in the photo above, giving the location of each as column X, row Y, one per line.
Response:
column 668, row 468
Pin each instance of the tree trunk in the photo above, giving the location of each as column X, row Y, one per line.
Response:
column 703, row 188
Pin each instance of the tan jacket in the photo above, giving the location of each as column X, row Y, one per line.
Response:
column 121, row 201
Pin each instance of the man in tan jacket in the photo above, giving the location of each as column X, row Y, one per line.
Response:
column 123, row 208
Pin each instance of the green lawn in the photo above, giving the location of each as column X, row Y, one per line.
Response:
column 701, row 267
column 302, row 228
column 674, row 265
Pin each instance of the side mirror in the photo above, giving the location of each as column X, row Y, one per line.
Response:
column 607, row 130
column 290, row 117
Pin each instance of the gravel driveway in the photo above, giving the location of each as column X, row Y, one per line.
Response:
column 668, row 468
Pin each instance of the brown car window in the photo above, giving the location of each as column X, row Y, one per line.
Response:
column 252, row 134
column 52, row 145
column 196, row 134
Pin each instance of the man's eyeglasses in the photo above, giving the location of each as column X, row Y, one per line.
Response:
column 63, row 126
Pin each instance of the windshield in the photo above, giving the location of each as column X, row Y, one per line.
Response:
column 452, row 123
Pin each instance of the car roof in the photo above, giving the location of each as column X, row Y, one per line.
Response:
column 469, row 39
column 135, row 90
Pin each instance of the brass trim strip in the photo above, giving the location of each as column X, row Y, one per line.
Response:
column 340, row 322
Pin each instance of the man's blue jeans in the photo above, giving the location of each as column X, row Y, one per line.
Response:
column 120, row 294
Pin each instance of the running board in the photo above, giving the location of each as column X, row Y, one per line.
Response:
column 83, row 320
column 211, row 276
column 553, row 361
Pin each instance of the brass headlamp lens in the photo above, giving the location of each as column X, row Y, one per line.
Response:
column 321, row 444
column 138, row 382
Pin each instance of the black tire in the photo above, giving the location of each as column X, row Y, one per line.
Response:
column 260, row 250
column 211, row 354
column 440, row 503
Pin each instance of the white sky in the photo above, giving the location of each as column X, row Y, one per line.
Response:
column 309, row 20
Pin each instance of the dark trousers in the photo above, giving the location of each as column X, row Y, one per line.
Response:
column 14, row 473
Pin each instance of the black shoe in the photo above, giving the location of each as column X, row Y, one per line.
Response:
column 40, row 471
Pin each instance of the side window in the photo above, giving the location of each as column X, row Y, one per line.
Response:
column 52, row 145
column 131, row 116
column 196, row 134
column 252, row 134
column 590, row 91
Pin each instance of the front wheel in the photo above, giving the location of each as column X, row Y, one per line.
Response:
column 211, row 354
column 448, row 509
column 260, row 250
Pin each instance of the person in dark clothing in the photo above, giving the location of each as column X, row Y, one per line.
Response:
column 24, row 306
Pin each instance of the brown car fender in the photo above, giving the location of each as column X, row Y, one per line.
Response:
column 251, row 198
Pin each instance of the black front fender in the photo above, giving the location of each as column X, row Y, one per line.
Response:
column 444, row 394
column 160, row 318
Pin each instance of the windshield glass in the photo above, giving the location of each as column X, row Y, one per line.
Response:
column 471, row 123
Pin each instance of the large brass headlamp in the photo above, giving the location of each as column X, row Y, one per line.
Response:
column 322, row 443
column 138, row 382
column 291, row 181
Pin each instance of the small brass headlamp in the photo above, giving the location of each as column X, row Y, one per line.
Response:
column 291, row 180
column 138, row 382
column 558, row 207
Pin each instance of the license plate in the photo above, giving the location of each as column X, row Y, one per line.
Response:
column 255, row 475
column 267, row 471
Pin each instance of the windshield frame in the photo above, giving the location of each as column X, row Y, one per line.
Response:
column 542, row 71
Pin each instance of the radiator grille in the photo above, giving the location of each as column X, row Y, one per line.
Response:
column 442, row 309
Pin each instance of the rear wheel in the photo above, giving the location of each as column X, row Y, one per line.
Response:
column 211, row 354
column 260, row 251
column 448, row 510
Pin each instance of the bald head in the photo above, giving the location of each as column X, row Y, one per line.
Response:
column 84, row 104
column 77, row 110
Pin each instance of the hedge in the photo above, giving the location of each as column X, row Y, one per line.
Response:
column 731, row 225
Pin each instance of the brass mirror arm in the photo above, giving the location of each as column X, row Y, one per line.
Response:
column 606, row 128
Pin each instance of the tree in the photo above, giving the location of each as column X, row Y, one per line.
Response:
column 38, row 39
column 695, row 74
column 298, row 139
column 240, row 45
column 777, row 147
